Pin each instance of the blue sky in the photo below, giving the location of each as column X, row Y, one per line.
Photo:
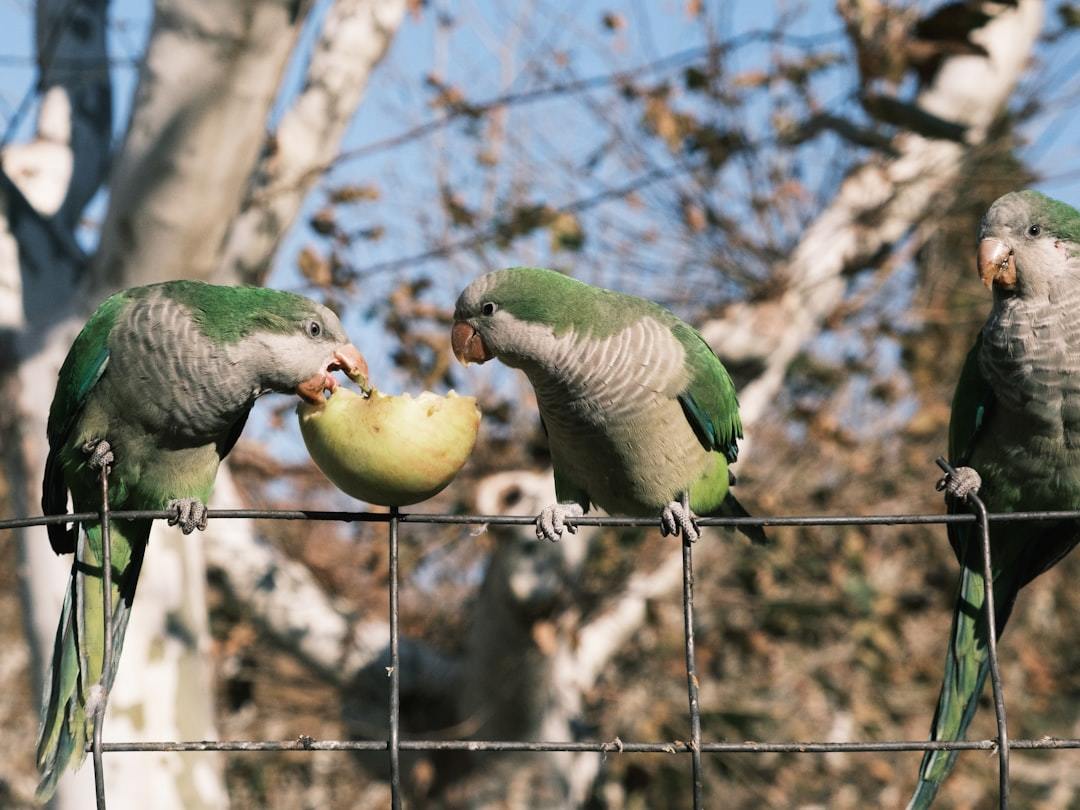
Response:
column 491, row 48
column 397, row 97
column 466, row 53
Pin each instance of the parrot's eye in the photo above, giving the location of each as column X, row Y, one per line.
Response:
column 1034, row 230
column 489, row 308
column 313, row 328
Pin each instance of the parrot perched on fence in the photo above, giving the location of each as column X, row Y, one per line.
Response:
column 640, row 414
column 1015, row 436
column 157, row 386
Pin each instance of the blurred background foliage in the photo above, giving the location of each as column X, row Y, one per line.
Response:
column 676, row 150
column 686, row 174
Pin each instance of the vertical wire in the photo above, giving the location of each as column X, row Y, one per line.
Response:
column 979, row 508
column 395, row 675
column 991, row 643
column 106, row 661
column 691, row 670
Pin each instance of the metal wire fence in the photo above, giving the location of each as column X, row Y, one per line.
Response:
column 693, row 745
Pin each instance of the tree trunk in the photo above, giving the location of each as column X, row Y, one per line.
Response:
column 354, row 39
column 211, row 73
column 197, row 131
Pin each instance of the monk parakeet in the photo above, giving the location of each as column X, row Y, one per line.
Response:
column 157, row 386
column 1015, row 435
column 640, row 414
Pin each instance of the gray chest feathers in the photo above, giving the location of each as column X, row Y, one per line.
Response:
column 614, row 424
column 1031, row 356
column 169, row 379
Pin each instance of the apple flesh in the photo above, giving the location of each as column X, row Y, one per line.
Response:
column 390, row 450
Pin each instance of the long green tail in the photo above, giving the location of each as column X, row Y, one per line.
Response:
column 966, row 666
column 78, row 652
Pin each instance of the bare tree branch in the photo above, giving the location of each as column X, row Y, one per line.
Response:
column 209, row 78
column 283, row 597
column 876, row 206
column 506, row 230
column 355, row 36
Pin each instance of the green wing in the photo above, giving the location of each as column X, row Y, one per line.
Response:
column 972, row 403
column 970, row 408
column 709, row 400
column 85, row 363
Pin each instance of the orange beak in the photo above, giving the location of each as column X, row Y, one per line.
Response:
column 347, row 359
column 468, row 346
column 996, row 264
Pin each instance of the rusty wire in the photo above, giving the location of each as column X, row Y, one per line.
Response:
column 979, row 508
column 693, row 745
column 105, row 682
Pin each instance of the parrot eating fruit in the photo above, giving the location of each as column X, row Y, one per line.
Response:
column 157, row 387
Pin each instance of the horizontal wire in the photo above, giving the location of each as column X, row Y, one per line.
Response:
column 527, row 520
column 617, row 746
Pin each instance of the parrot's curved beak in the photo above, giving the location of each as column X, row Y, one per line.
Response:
column 468, row 346
column 347, row 359
column 996, row 264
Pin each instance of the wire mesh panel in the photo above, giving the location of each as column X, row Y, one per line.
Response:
column 693, row 745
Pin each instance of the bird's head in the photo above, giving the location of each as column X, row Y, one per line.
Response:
column 302, row 344
column 508, row 313
column 1028, row 245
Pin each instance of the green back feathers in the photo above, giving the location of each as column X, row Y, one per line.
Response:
column 709, row 400
column 537, row 295
column 224, row 314
column 84, row 364
column 228, row 314
column 82, row 368
column 970, row 407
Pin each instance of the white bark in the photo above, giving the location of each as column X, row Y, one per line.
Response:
column 41, row 168
column 354, row 38
column 49, row 177
column 11, row 291
column 521, row 668
column 70, row 40
column 284, row 598
column 164, row 686
column 876, row 206
column 210, row 76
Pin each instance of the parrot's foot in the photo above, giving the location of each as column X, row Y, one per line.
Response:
column 95, row 696
column 190, row 514
column 677, row 518
column 100, row 452
column 551, row 522
column 960, row 483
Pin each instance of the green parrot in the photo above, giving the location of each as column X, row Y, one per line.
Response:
column 640, row 414
column 157, row 386
column 1016, row 421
